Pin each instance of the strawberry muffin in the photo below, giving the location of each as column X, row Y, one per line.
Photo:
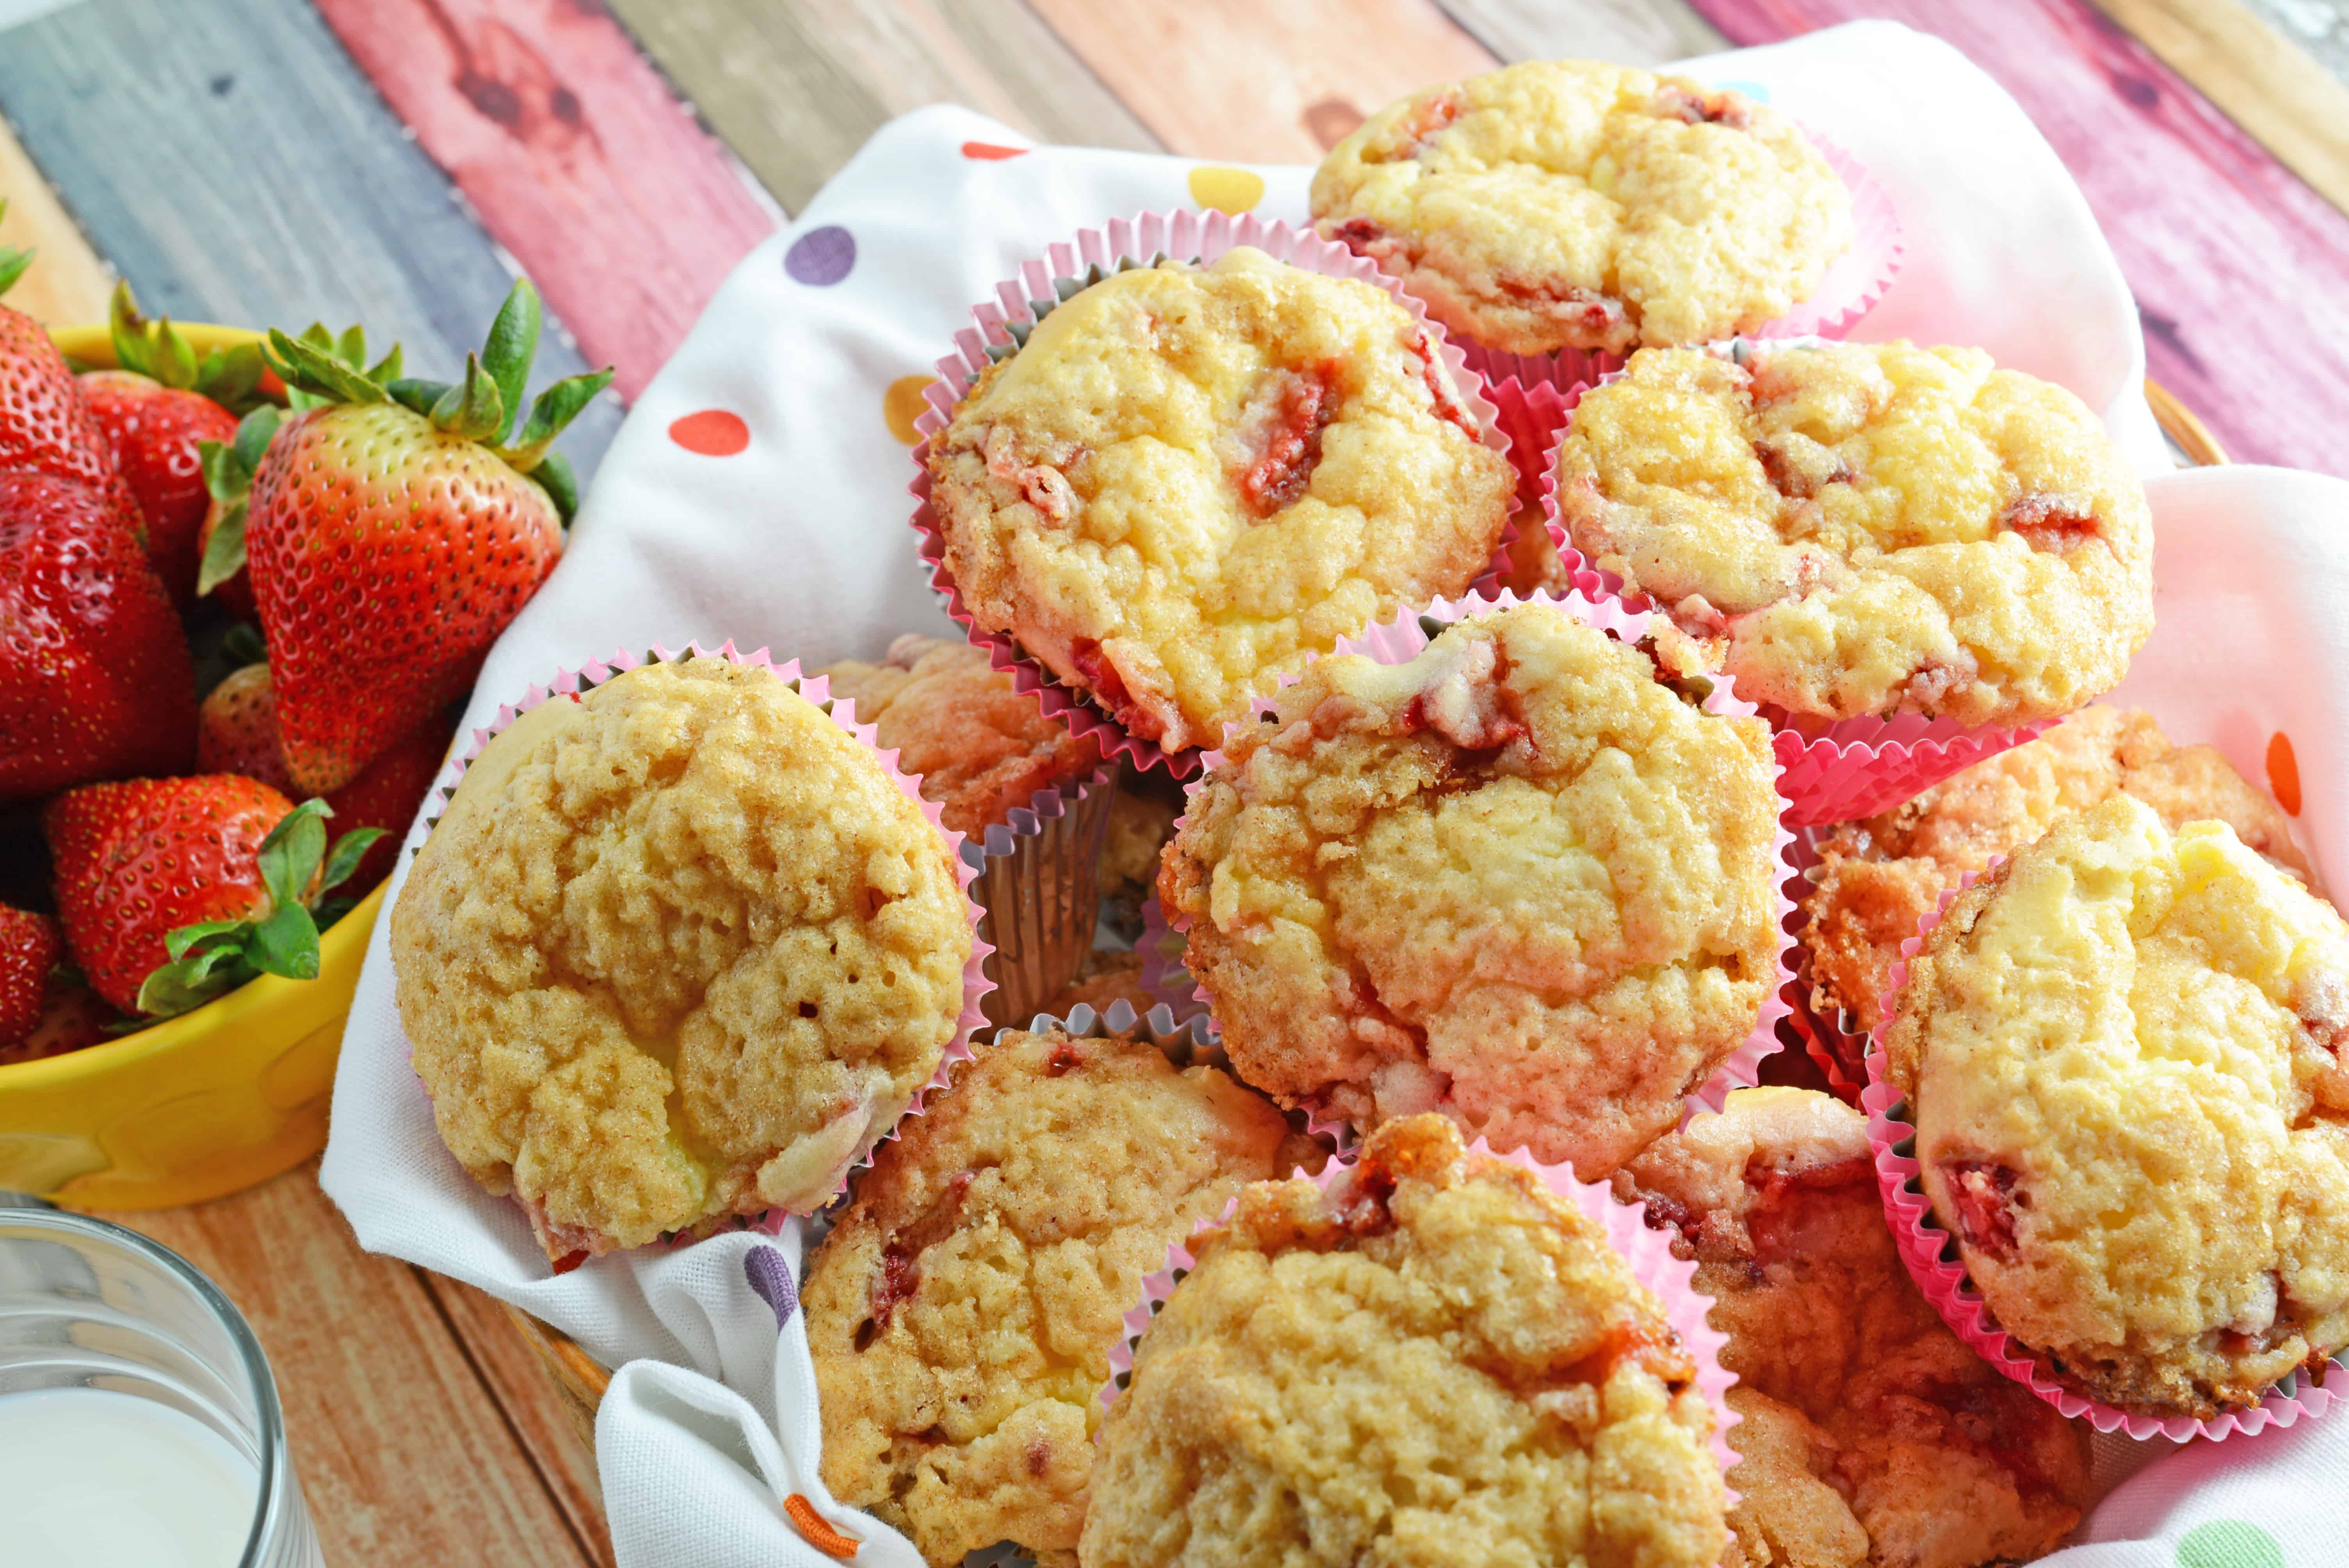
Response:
column 981, row 748
column 1869, row 1434
column 1523, row 880
column 1868, row 528
column 1188, row 479
column 678, row 949
column 962, row 1313
column 1571, row 205
column 1437, row 1361
column 2122, row 1053
column 1878, row 878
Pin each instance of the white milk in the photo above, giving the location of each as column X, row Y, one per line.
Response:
column 90, row 1479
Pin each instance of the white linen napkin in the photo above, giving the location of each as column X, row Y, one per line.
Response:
column 799, row 541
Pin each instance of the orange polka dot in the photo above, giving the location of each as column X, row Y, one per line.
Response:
column 903, row 403
column 712, row 432
column 990, row 151
column 1233, row 190
column 2283, row 773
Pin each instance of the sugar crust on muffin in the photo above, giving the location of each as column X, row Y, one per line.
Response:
column 1518, row 880
column 1870, row 529
column 2123, row 1050
column 1573, row 204
column 1871, row 1436
column 1439, row 1362
column 962, row 1312
column 1190, row 478
column 1878, row 878
column 981, row 746
column 678, row 949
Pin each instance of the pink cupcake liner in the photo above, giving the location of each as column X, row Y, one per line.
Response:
column 573, row 682
column 1036, row 877
column 1850, row 287
column 1003, row 324
column 1931, row 1253
column 1648, row 1251
column 1832, row 771
column 1837, row 1043
column 1165, row 976
column 1534, row 416
column 1399, row 641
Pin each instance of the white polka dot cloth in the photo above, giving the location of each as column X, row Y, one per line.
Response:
column 758, row 493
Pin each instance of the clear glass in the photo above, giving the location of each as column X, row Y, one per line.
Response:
column 89, row 1304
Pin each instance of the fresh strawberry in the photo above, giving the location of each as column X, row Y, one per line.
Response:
column 157, row 407
column 76, row 1017
column 46, row 426
column 30, row 950
column 385, row 795
column 394, row 529
column 236, row 730
column 95, row 678
column 237, row 733
column 174, row 891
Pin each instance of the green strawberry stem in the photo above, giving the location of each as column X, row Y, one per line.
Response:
column 229, row 467
column 229, row 377
column 212, row 957
column 13, row 262
column 486, row 407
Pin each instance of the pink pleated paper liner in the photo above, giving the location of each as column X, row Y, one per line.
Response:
column 1399, row 640
column 1044, row 283
column 1836, row 1044
column 571, row 683
column 1534, row 416
column 1850, row 287
column 1648, row 1252
column 1943, row 1280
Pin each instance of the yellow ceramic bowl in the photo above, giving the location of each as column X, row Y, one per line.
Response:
column 202, row 1104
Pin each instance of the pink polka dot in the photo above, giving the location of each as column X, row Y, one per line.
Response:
column 712, row 432
column 989, row 150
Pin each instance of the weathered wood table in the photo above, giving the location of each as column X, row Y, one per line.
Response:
column 276, row 162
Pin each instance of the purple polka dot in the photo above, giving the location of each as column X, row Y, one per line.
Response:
column 771, row 1276
column 821, row 257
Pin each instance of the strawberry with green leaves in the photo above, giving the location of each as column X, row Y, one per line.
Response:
column 158, row 406
column 175, row 891
column 46, row 424
column 394, row 528
column 96, row 681
column 236, row 732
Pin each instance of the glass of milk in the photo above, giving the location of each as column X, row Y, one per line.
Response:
column 139, row 1421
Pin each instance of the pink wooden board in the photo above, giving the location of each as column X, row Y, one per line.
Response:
column 575, row 156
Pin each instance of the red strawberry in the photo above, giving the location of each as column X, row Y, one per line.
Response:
column 46, row 427
column 95, row 678
column 173, row 891
column 394, row 531
column 76, row 1017
column 29, row 949
column 236, row 730
column 387, row 794
column 237, row 733
column 155, row 429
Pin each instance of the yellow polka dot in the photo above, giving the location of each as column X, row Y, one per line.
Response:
column 1233, row 190
column 903, row 403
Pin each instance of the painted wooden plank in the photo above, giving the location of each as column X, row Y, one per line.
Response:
column 2240, row 271
column 66, row 283
column 2294, row 106
column 1248, row 81
column 1630, row 32
column 228, row 158
column 2320, row 27
column 795, row 86
column 517, row 1380
column 575, row 155
column 403, row 1455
